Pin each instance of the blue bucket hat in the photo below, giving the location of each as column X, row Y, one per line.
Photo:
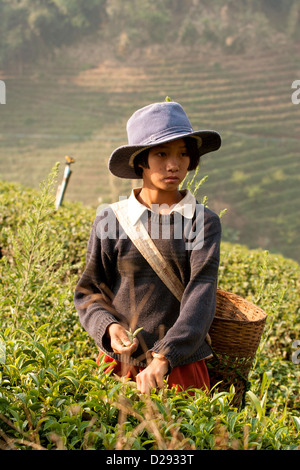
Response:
column 153, row 125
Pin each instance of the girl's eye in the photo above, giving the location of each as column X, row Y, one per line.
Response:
column 161, row 154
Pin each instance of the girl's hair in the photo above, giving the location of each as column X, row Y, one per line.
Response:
column 192, row 149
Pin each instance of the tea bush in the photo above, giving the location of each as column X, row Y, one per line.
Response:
column 53, row 395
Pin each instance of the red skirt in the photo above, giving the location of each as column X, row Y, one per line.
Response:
column 193, row 375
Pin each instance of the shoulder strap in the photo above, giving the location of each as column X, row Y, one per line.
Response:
column 140, row 237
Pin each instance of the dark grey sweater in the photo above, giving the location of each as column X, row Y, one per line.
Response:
column 141, row 299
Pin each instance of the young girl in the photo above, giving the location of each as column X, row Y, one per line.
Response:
column 119, row 290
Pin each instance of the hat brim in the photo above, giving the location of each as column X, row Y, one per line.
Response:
column 119, row 161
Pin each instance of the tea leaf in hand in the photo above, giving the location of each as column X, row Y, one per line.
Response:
column 131, row 335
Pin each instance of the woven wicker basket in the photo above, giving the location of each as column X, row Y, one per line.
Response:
column 235, row 335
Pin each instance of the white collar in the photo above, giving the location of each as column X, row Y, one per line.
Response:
column 185, row 207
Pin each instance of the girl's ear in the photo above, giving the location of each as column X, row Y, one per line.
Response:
column 140, row 162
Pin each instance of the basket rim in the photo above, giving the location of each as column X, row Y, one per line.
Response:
column 245, row 322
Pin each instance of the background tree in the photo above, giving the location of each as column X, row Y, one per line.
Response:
column 30, row 28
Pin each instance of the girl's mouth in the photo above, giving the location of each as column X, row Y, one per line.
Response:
column 171, row 179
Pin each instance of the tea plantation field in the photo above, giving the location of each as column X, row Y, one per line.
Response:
column 79, row 105
column 54, row 396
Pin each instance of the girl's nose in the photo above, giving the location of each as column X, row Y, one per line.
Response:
column 173, row 163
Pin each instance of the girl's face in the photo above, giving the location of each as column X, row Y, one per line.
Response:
column 168, row 165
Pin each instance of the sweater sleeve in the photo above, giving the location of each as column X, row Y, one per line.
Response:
column 198, row 303
column 91, row 299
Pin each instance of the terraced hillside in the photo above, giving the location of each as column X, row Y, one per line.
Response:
column 80, row 109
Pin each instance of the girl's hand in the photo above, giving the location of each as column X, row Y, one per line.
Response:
column 119, row 341
column 153, row 375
